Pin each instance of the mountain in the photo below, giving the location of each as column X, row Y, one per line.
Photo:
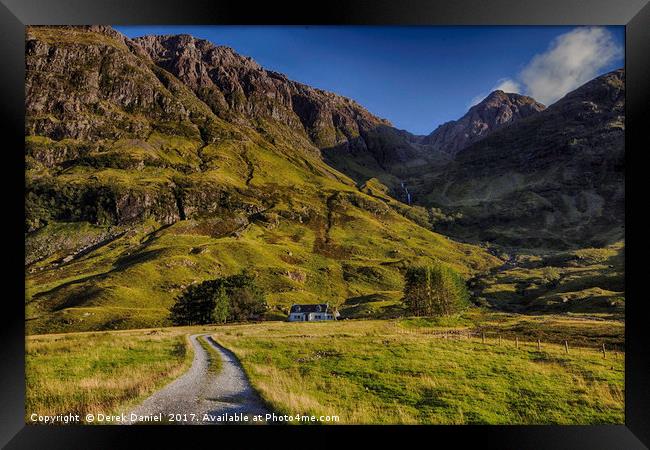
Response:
column 156, row 163
column 231, row 83
column 554, row 179
column 159, row 162
column 393, row 156
column 494, row 112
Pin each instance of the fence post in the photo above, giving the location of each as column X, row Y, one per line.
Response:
column 566, row 347
column 483, row 338
column 538, row 345
column 499, row 339
column 517, row 341
column 604, row 351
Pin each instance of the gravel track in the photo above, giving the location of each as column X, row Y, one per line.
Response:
column 199, row 393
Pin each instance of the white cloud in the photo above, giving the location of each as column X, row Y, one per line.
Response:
column 571, row 60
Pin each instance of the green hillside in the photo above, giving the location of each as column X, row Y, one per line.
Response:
column 123, row 214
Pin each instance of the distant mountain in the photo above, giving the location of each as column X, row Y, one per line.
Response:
column 553, row 180
column 494, row 112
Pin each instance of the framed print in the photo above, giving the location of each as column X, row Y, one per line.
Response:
column 382, row 219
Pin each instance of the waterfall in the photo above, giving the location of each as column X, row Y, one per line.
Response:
column 406, row 191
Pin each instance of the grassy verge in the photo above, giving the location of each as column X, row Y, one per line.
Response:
column 374, row 372
column 214, row 364
column 100, row 372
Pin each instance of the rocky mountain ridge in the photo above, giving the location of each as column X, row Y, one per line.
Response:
column 554, row 179
column 495, row 111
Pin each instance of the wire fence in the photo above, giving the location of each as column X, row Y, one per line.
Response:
column 524, row 342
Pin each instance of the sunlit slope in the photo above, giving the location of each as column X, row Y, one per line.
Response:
column 136, row 189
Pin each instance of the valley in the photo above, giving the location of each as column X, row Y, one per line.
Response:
column 170, row 160
column 158, row 163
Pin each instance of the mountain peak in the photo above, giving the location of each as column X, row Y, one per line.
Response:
column 499, row 97
column 495, row 111
column 235, row 84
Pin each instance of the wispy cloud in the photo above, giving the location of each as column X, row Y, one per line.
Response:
column 571, row 60
column 508, row 85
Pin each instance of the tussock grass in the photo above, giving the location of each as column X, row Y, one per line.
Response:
column 588, row 280
column 364, row 371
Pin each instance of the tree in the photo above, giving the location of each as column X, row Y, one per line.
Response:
column 435, row 290
column 227, row 299
column 194, row 306
column 221, row 309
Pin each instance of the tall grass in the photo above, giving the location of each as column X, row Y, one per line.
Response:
column 98, row 372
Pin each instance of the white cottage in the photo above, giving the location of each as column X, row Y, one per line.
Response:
column 308, row 313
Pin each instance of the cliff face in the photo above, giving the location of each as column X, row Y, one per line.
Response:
column 233, row 84
column 95, row 84
column 555, row 179
column 237, row 89
column 97, row 109
column 494, row 112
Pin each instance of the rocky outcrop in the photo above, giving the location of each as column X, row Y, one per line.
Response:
column 93, row 86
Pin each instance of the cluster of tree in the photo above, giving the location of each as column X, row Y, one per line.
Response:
column 228, row 299
column 435, row 290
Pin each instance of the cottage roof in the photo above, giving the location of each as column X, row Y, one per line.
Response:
column 320, row 307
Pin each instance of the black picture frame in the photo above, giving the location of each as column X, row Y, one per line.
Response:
column 15, row 14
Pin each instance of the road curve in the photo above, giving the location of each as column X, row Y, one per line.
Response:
column 202, row 397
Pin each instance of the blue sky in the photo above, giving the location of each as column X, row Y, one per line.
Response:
column 421, row 77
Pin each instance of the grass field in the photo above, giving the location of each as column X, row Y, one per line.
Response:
column 84, row 373
column 376, row 372
column 364, row 371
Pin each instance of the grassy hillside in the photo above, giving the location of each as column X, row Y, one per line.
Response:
column 125, row 210
column 330, row 245
column 589, row 280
